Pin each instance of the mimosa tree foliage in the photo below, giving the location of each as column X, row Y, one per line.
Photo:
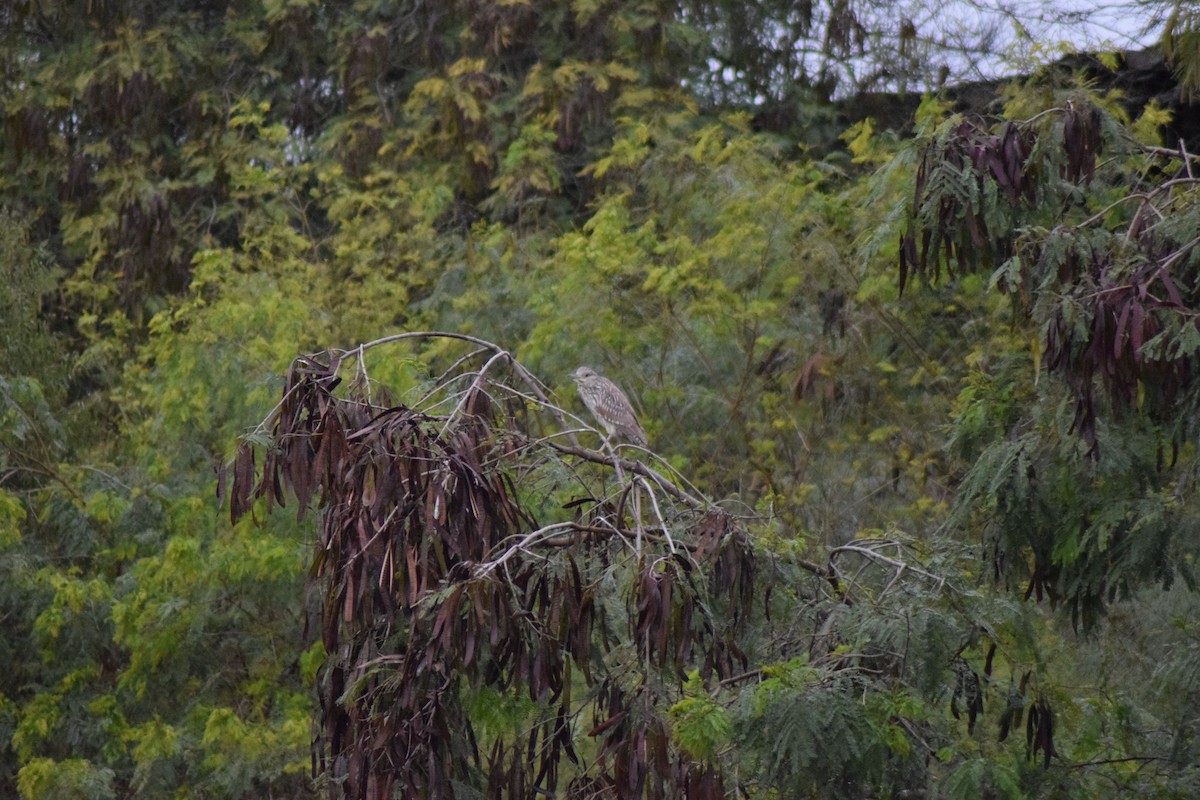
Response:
column 472, row 551
column 1093, row 236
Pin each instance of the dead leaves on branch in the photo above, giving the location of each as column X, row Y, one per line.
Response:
column 975, row 187
column 433, row 580
column 1039, row 732
column 958, row 180
column 1108, row 288
column 1099, row 335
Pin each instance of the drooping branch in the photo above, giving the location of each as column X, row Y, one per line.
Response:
column 435, row 579
column 1104, row 284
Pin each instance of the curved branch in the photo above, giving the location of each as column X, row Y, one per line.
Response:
column 900, row 566
column 396, row 337
column 635, row 467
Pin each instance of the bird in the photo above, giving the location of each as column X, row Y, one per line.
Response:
column 608, row 405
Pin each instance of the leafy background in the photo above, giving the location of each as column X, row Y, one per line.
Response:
column 195, row 193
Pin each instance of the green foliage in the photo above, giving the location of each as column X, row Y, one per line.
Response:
column 701, row 726
column 30, row 435
column 813, row 740
column 12, row 514
column 1081, row 287
column 44, row 778
column 27, row 346
column 1179, row 39
column 982, row 777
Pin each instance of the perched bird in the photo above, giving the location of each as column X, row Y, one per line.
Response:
column 608, row 405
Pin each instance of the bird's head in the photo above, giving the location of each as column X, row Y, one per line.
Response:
column 583, row 374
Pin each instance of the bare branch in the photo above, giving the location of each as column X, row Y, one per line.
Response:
column 900, row 566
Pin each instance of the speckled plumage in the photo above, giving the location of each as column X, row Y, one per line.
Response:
column 608, row 405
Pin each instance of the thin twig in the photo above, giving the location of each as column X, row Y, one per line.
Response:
column 261, row 427
column 657, row 512
column 479, row 378
column 635, row 467
column 1144, row 196
column 1168, row 152
column 1170, row 260
column 444, row 379
column 1126, row 760
column 396, row 337
column 876, row 556
column 523, row 544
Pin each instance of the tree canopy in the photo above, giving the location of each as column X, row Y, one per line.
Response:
column 297, row 498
